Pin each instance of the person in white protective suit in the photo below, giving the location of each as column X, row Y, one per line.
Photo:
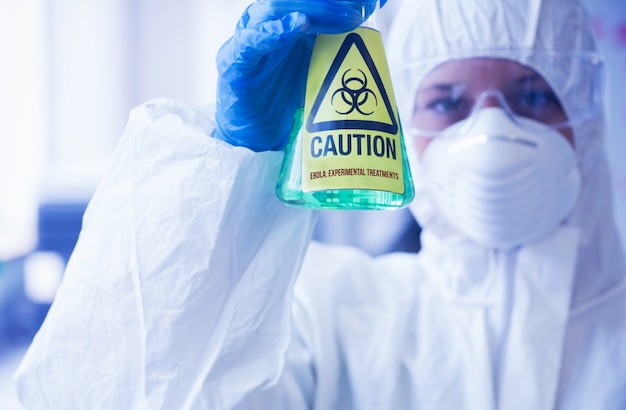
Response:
column 193, row 287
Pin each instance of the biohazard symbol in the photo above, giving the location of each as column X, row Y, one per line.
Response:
column 355, row 98
column 354, row 95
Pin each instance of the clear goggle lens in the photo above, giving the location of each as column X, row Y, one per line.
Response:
column 568, row 92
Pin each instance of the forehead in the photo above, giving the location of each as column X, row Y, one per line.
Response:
column 480, row 72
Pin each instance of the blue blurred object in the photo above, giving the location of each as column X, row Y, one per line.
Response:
column 263, row 67
column 21, row 317
column 59, row 227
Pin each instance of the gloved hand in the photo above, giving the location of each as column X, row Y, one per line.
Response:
column 263, row 66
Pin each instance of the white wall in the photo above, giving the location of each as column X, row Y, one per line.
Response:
column 22, row 113
column 70, row 72
column 108, row 56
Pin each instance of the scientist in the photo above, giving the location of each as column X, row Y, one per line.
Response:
column 193, row 287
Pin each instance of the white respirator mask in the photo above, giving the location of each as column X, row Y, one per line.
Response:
column 501, row 179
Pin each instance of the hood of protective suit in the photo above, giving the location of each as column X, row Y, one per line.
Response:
column 435, row 31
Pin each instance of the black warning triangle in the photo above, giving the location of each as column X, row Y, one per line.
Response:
column 312, row 126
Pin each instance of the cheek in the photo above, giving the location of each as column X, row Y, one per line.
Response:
column 420, row 144
column 568, row 133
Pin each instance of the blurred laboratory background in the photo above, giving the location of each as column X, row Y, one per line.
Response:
column 71, row 71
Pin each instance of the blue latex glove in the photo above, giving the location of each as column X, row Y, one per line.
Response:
column 263, row 66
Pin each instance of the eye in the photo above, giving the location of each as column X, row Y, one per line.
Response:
column 536, row 99
column 541, row 104
column 448, row 105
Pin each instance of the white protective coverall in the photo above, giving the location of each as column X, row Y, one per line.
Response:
column 180, row 292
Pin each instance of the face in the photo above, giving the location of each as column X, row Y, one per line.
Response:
column 453, row 90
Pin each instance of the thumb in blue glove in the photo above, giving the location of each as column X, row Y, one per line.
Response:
column 263, row 66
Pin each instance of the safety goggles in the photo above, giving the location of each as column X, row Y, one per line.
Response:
column 555, row 89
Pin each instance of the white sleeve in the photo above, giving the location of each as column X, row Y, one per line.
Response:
column 178, row 293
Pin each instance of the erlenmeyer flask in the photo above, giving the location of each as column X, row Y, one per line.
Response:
column 346, row 149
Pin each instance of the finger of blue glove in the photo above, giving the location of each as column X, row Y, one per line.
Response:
column 272, row 24
column 251, row 42
column 262, row 77
column 263, row 66
column 327, row 16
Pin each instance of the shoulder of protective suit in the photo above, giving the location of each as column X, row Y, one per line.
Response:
column 202, row 117
column 168, row 129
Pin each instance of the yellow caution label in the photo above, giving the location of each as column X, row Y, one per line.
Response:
column 351, row 138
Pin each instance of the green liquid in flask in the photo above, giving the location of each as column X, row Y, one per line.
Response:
column 289, row 187
column 346, row 149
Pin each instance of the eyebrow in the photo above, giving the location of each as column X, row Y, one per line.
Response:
column 447, row 87
column 530, row 78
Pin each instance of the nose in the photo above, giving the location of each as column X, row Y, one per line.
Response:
column 491, row 98
column 491, row 101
